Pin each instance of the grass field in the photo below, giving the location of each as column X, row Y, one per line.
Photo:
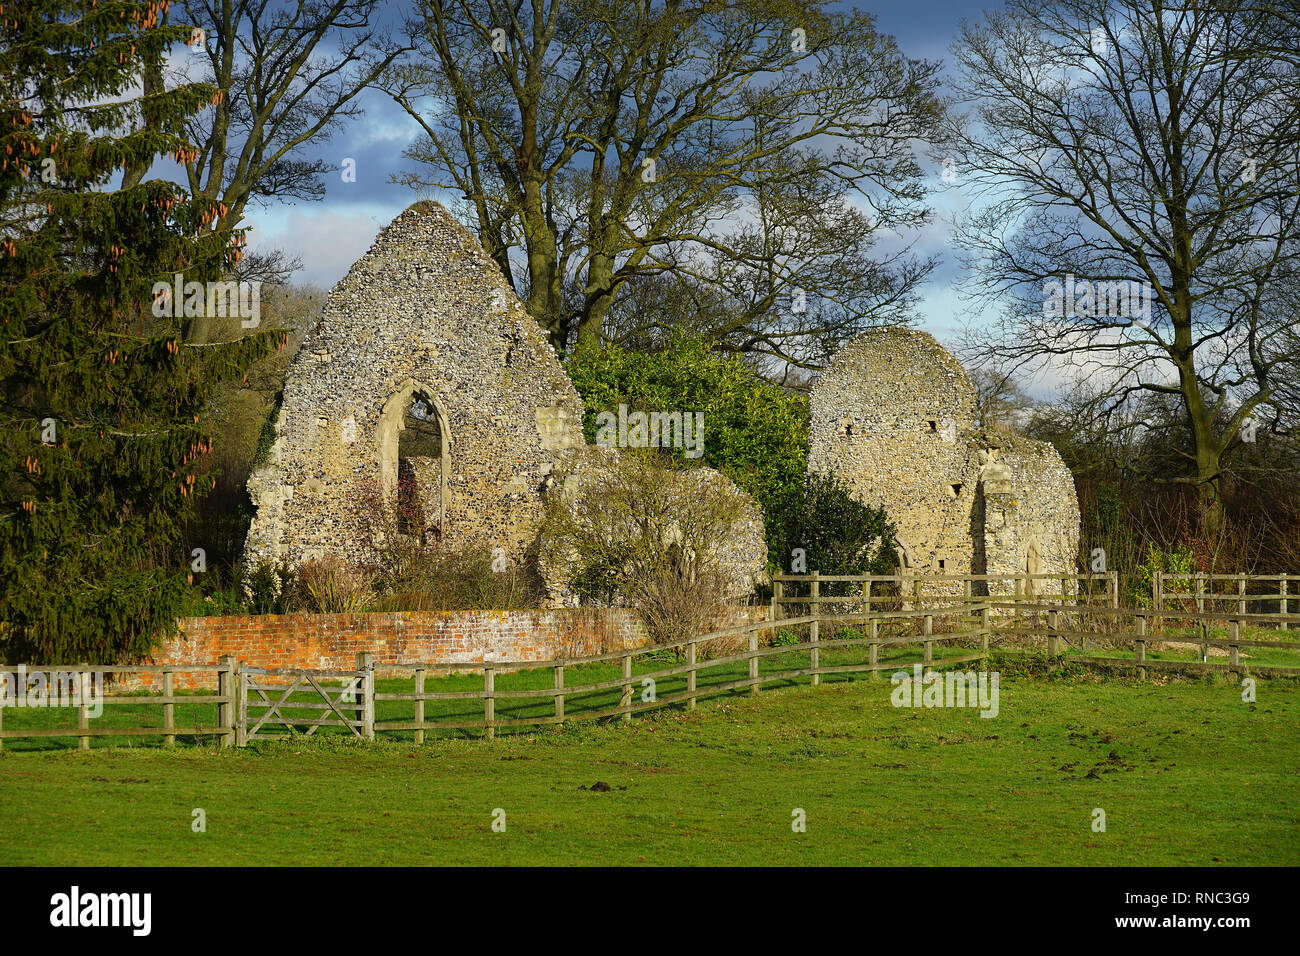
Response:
column 1186, row 772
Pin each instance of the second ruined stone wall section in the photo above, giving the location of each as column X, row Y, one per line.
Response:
column 894, row 417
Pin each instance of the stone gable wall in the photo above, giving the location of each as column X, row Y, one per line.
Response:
column 427, row 313
column 424, row 311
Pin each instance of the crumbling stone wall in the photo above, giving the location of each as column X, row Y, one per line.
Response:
column 424, row 314
column 424, row 332
column 1031, row 517
column 894, row 416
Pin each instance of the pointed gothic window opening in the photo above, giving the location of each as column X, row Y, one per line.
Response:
column 414, row 462
column 419, row 468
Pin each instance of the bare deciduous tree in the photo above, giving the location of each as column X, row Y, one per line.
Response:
column 1149, row 146
column 753, row 151
column 289, row 75
column 1000, row 402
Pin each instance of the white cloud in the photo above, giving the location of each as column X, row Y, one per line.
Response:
column 328, row 242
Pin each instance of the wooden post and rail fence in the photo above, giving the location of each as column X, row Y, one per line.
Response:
column 817, row 627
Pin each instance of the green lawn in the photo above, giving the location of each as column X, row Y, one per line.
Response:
column 1186, row 772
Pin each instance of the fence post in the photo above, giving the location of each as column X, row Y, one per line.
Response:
column 753, row 663
column 873, row 649
column 1282, row 592
column 366, row 663
column 1157, row 601
column 1141, row 646
column 1233, row 637
column 814, row 630
column 1018, row 595
column 228, row 714
column 559, row 698
column 626, row 702
column 1241, row 594
column 489, row 703
column 1114, row 589
column 690, row 676
column 1053, row 640
column 83, row 717
column 778, row 592
column 927, row 629
column 986, row 627
column 1083, row 605
column 169, row 709
column 927, row 657
column 1200, row 610
column 236, row 685
column 419, row 706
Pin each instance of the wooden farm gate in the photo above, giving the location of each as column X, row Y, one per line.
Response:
column 303, row 701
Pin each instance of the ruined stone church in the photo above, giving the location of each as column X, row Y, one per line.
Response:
column 426, row 385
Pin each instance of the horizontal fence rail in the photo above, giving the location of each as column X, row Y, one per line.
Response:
column 868, row 624
column 86, row 700
column 690, row 668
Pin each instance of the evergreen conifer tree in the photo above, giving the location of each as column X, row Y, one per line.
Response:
column 102, row 454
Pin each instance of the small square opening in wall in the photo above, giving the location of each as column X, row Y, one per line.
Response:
column 954, row 490
column 932, row 426
column 943, row 564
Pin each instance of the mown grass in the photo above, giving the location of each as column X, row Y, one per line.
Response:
column 1186, row 772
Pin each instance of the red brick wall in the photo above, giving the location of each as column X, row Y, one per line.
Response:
column 332, row 641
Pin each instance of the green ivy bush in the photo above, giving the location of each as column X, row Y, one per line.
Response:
column 836, row 532
column 755, row 433
column 1179, row 560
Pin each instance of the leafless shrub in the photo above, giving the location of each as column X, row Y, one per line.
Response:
column 458, row 579
column 725, row 646
column 645, row 533
column 678, row 597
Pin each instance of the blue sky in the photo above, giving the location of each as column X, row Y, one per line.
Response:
column 331, row 234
